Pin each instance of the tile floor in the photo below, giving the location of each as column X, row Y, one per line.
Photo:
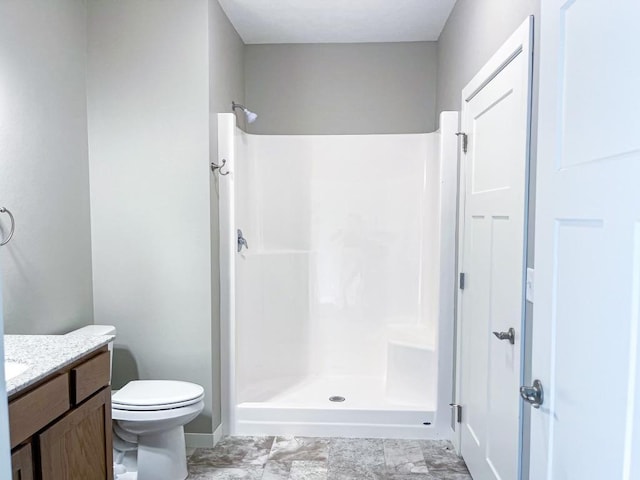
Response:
column 300, row 458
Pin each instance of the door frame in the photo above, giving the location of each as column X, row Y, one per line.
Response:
column 5, row 447
column 520, row 42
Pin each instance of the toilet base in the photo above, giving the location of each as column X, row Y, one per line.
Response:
column 151, row 442
column 127, row 476
column 161, row 456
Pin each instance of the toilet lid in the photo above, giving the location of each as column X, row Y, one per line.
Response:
column 156, row 395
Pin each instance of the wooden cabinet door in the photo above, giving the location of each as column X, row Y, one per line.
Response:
column 79, row 446
column 22, row 463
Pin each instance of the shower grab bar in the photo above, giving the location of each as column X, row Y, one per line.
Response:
column 215, row 167
column 13, row 226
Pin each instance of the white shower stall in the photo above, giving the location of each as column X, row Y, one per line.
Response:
column 337, row 320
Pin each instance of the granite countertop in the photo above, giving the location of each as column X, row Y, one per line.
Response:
column 45, row 354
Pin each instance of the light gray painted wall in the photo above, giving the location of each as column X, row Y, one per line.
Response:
column 226, row 84
column 148, row 107
column 342, row 88
column 44, row 178
column 473, row 33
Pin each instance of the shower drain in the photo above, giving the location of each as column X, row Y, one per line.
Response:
column 336, row 398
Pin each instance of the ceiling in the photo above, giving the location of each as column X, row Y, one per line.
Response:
column 337, row 21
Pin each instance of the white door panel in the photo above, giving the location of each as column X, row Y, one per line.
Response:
column 496, row 117
column 585, row 325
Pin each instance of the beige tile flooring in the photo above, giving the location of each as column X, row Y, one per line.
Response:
column 302, row 458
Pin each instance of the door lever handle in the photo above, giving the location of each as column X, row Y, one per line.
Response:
column 534, row 394
column 508, row 335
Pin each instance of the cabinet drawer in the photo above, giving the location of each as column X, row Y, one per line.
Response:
column 89, row 377
column 38, row 408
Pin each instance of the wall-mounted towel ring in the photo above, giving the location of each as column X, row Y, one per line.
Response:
column 215, row 167
column 13, row 225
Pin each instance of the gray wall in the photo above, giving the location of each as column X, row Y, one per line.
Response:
column 44, row 178
column 148, row 111
column 226, row 84
column 342, row 88
column 158, row 74
column 473, row 33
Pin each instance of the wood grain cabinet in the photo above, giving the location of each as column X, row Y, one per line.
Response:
column 22, row 463
column 61, row 427
column 76, row 445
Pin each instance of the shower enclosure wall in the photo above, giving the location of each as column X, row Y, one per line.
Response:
column 337, row 320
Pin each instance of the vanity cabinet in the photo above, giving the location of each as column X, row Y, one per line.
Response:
column 76, row 445
column 22, row 463
column 61, row 427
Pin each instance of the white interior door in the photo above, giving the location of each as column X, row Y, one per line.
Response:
column 495, row 116
column 587, row 298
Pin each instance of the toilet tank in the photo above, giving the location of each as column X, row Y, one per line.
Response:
column 94, row 331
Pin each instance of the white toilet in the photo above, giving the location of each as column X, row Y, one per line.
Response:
column 148, row 423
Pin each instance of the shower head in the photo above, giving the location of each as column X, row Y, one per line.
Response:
column 251, row 117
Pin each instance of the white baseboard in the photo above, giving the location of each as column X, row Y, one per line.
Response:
column 203, row 440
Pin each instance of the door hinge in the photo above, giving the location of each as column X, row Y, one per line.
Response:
column 457, row 412
column 465, row 140
column 461, row 281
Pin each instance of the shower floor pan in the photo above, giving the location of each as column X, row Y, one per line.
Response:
column 305, row 409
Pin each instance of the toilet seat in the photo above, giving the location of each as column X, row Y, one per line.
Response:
column 154, row 395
